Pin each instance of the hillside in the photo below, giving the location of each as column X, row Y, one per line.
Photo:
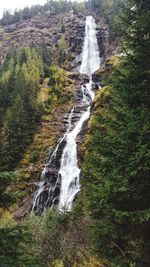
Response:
column 46, row 33
column 74, row 135
column 44, row 30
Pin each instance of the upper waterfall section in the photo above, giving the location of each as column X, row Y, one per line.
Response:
column 90, row 55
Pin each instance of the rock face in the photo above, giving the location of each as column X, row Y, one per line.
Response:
column 75, row 30
column 80, row 78
column 96, row 76
column 46, row 30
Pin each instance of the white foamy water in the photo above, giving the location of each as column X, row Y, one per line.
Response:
column 69, row 170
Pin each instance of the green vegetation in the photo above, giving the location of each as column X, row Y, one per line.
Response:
column 57, row 83
column 14, row 250
column 20, row 112
column 34, row 156
column 116, row 175
column 15, row 239
column 109, row 225
column 62, row 45
column 60, row 238
column 23, row 100
column 6, row 199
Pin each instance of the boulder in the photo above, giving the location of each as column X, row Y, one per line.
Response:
column 96, row 76
column 80, row 78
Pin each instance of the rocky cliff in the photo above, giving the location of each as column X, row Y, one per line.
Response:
column 48, row 31
column 42, row 29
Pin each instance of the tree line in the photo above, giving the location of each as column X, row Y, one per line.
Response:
column 52, row 7
column 19, row 111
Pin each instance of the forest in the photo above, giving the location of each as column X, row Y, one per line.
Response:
column 109, row 223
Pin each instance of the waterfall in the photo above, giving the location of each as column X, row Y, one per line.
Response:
column 90, row 56
column 69, row 172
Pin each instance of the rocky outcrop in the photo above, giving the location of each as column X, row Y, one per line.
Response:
column 38, row 30
column 44, row 29
column 105, row 70
column 79, row 78
column 75, row 30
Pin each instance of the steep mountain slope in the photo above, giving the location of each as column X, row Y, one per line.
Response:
column 48, row 32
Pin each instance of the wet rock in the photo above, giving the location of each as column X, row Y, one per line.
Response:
column 80, row 78
column 75, row 64
column 56, row 191
column 78, row 94
column 56, row 201
column 96, row 76
column 51, row 175
column 83, row 78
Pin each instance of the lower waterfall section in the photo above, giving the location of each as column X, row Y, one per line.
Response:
column 59, row 186
column 47, row 194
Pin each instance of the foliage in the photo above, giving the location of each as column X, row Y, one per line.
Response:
column 57, row 82
column 14, row 247
column 14, row 239
column 60, row 238
column 24, row 14
column 34, row 155
column 62, row 26
column 117, row 156
column 47, row 55
column 62, row 45
column 6, row 199
column 19, row 82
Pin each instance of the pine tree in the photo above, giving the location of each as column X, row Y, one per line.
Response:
column 6, row 199
column 15, row 239
column 19, row 87
column 117, row 167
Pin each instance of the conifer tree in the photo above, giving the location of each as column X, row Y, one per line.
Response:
column 20, row 77
column 6, row 199
column 15, row 239
column 117, row 167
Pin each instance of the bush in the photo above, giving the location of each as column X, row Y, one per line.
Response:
column 59, row 239
column 34, row 156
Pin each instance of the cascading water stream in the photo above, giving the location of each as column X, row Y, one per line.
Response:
column 90, row 58
column 69, row 172
column 40, row 203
